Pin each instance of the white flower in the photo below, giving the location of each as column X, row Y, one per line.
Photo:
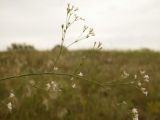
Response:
column 139, row 84
column 135, row 113
column 11, row 95
column 55, row 68
column 135, row 76
column 54, row 86
column 143, row 89
column 52, row 83
column 72, row 78
column 48, row 86
column 142, row 72
column 9, row 106
column 80, row 74
column 32, row 82
column 74, row 86
column 146, row 78
column 124, row 102
column 145, row 93
column 125, row 74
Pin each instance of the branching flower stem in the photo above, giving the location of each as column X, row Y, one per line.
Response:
column 64, row 27
column 63, row 74
column 48, row 73
column 80, row 39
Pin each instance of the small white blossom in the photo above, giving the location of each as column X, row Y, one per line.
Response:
column 11, row 95
column 72, row 78
column 135, row 76
column 80, row 74
column 124, row 102
column 142, row 72
column 74, row 86
column 54, row 86
column 139, row 84
column 52, row 83
column 125, row 74
column 32, row 82
column 135, row 113
column 9, row 106
column 143, row 89
column 145, row 93
column 48, row 86
column 55, row 68
column 146, row 78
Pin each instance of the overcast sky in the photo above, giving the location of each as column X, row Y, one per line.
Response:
column 118, row 24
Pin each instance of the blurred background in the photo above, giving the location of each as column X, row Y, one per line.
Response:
column 124, row 24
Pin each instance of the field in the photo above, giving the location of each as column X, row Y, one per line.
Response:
column 74, row 98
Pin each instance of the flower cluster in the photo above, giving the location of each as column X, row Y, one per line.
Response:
column 9, row 106
column 125, row 74
column 10, row 103
column 140, row 80
column 71, row 18
column 53, row 86
column 135, row 114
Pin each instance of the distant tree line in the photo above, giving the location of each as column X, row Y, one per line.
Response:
column 25, row 47
column 20, row 47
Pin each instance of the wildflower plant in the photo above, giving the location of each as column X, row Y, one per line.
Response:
column 51, row 87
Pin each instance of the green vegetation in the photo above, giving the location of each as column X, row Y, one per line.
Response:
column 77, row 99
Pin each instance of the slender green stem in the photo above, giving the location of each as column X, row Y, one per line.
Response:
column 60, row 52
column 117, row 84
column 48, row 73
column 63, row 38
column 62, row 74
column 76, row 41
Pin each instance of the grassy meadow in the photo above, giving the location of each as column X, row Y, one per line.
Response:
column 74, row 98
